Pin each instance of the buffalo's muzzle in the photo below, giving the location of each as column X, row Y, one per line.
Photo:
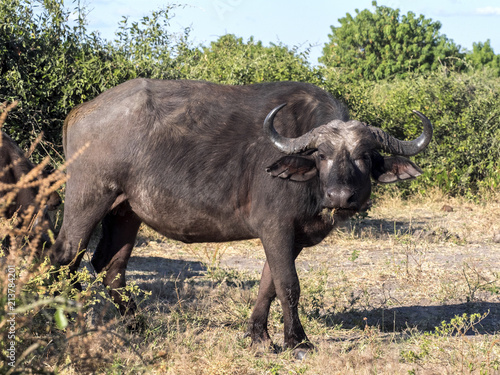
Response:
column 341, row 198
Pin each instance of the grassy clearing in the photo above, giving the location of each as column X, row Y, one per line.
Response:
column 409, row 289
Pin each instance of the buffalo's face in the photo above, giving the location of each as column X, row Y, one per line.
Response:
column 344, row 157
column 344, row 172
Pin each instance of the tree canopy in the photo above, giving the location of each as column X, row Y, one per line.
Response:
column 381, row 44
column 483, row 56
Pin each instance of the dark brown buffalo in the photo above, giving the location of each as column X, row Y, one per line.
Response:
column 192, row 161
column 14, row 165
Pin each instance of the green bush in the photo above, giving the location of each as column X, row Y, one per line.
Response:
column 483, row 56
column 464, row 156
column 48, row 66
column 230, row 60
column 148, row 49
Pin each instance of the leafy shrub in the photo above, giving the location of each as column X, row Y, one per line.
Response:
column 483, row 56
column 48, row 66
column 463, row 157
column 230, row 60
column 149, row 49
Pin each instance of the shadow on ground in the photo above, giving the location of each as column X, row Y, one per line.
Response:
column 421, row 318
column 382, row 229
column 165, row 277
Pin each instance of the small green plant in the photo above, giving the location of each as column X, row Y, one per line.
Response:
column 413, row 249
column 314, row 290
column 460, row 325
column 354, row 255
column 478, row 280
column 210, row 255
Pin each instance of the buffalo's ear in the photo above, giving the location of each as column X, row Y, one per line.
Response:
column 296, row 168
column 394, row 169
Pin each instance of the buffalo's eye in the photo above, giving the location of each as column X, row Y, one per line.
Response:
column 363, row 160
column 322, row 157
column 364, row 157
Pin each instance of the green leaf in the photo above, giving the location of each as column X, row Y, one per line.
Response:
column 60, row 318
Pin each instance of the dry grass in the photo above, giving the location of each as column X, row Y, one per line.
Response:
column 373, row 294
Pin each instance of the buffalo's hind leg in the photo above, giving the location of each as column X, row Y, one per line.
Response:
column 119, row 231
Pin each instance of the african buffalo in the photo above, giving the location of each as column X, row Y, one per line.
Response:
column 192, row 161
column 14, row 165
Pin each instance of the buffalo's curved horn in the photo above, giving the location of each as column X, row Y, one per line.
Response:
column 284, row 144
column 395, row 146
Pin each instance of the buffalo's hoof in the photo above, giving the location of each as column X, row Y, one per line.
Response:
column 300, row 354
column 262, row 346
column 302, row 350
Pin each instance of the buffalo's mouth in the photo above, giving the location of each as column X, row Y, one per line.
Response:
column 338, row 214
column 345, row 212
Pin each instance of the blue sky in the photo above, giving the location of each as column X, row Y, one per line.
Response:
column 297, row 23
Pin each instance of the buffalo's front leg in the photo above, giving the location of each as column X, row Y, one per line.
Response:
column 82, row 212
column 257, row 327
column 280, row 254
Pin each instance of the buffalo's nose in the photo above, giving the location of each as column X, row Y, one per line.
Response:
column 340, row 198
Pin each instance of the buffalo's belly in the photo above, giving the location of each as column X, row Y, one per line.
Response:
column 182, row 222
column 201, row 229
